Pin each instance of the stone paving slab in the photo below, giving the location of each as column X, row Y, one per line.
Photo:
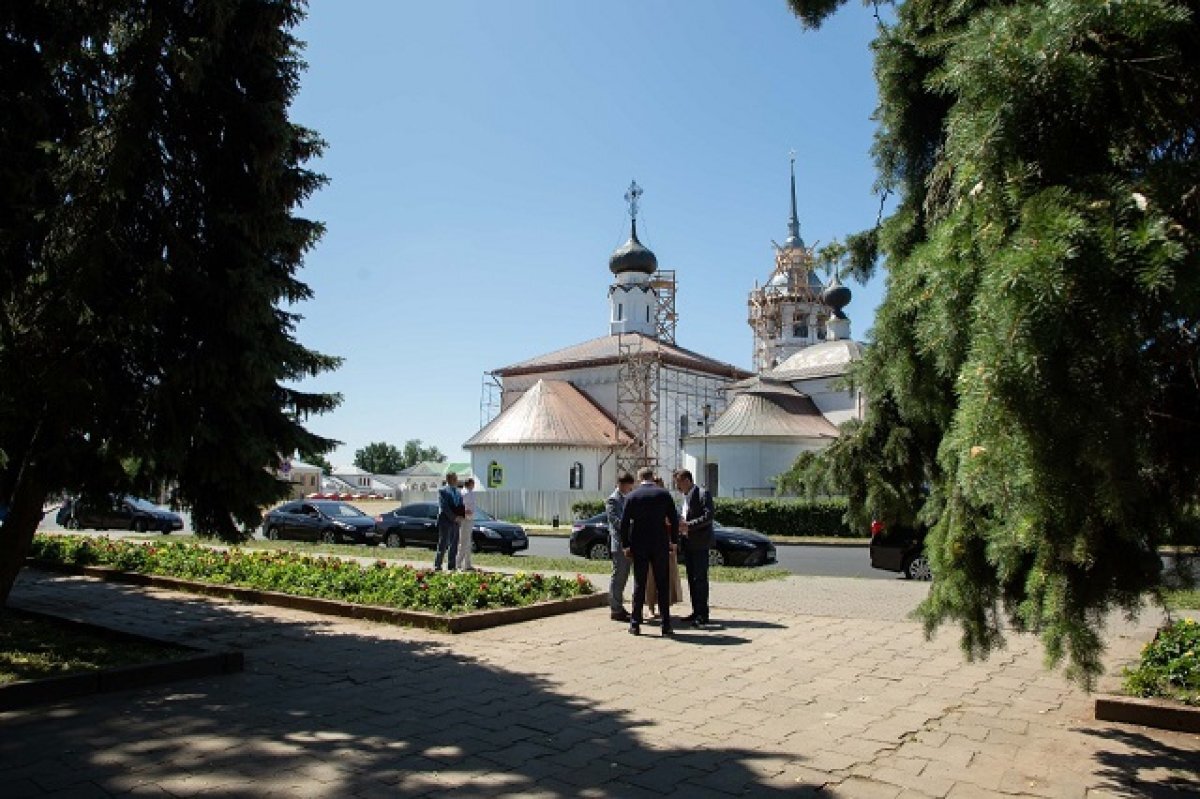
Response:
column 771, row 701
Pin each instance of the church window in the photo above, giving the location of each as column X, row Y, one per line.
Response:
column 495, row 475
column 620, row 312
column 647, row 313
column 800, row 330
column 577, row 475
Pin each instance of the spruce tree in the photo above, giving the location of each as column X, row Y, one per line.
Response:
column 150, row 272
column 1034, row 374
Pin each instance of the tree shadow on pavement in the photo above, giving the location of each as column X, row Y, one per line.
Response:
column 1147, row 766
column 332, row 709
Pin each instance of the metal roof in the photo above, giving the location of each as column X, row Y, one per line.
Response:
column 772, row 410
column 550, row 412
column 827, row 359
column 605, row 350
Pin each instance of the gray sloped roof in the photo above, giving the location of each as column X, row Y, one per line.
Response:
column 550, row 412
column 769, row 409
column 826, row 359
column 606, row 350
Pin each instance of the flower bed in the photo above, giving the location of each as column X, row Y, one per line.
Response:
column 380, row 584
column 1170, row 665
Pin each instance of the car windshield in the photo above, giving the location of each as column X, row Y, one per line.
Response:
column 339, row 509
column 142, row 504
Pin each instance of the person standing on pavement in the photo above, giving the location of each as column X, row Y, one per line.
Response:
column 465, row 525
column 450, row 511
column 614, row 506
column 648, row 510
column 696, row 537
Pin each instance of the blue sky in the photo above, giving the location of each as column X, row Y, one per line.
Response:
column 478, row 154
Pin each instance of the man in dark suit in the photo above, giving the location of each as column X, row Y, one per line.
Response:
column 697, row 538
column 451, row 511
column 647, row 540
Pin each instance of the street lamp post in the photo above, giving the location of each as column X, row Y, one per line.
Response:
column 706, row 411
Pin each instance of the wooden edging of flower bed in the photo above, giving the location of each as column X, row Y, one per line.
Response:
column 459, row 623
column 1161, row 714
column 26, row 693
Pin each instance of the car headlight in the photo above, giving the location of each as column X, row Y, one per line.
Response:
column 490, row 533
column 741, row 543
column 343, row 525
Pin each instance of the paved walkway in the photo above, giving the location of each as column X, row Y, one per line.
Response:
column 807, row 686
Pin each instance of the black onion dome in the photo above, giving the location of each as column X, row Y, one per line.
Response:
column 632, row 256
column 836, row 296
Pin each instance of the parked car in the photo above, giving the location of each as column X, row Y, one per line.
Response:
column 415, row 524
column 734, row 546
column 900, row 549
column 121, row 513
column 324, row 520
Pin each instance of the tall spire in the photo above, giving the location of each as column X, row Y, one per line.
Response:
column 793, row 239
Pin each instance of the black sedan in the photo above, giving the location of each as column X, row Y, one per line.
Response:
column 734, row 546
column 416, row 525
column 119, row 513
column 900, row 549
column 327, row 521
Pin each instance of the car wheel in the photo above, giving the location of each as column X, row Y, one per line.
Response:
column 166, row 530
column 72, row 524
column 599, row 551
column 139, row 526
column 393, row 541
column 329, row 537
column 272, row 534
column 917, row 568
column 716, row 557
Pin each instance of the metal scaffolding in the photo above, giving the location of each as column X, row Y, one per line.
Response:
column 490, row 398
column 790, row 286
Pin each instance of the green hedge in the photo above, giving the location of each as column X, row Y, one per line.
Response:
column 787, row 516
column 768, row 516
column 587, row 507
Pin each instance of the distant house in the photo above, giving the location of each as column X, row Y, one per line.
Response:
column 304, row 477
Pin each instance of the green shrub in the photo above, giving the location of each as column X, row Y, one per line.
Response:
column 786, row 516
column 303, row 575
column 1170, row 665
column 587, row 507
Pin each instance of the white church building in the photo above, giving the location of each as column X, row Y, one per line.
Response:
column 570, row 418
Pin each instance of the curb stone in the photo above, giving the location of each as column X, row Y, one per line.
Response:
column 1158, row 713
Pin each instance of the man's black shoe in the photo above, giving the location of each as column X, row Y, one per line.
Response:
column 668, row 631
column 619, row 615
column 689, row 619
column 635, row 629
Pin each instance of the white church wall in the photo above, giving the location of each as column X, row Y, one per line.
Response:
column 544, row 468
column 746, row 466
column 837, row 405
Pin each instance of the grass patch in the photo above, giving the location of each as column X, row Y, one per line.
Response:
column 35, row 648
column 1183, row 599
column 380, row 583
column 571, row 564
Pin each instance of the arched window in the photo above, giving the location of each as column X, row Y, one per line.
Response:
column 620, row 312
column 577, row 475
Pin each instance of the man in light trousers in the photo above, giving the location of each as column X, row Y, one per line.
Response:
column 614, row 506
column 466, row 525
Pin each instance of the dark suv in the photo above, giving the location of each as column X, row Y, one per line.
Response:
column 900, row 549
